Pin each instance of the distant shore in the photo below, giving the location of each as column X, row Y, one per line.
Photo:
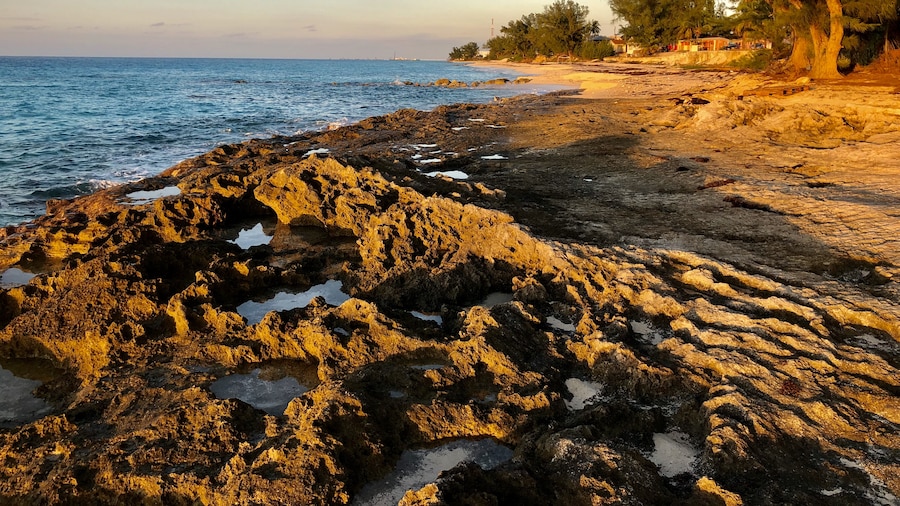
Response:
column 613, row 80
column 591, row 78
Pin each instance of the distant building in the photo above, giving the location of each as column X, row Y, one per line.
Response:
column 704, row 44
column 719, row 44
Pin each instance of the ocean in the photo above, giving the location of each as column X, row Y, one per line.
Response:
column 69, row 126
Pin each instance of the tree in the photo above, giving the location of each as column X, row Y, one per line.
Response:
column 562, row 27
column 655, row 23
column 824, row 31
column 466, row 52
column 515, row 40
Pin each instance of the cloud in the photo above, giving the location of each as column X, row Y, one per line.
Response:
column 158, row 25
column 311, row 28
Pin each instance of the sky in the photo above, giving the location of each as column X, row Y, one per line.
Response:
column 424, row 29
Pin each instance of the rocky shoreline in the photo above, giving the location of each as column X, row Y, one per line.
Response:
column 644, row 299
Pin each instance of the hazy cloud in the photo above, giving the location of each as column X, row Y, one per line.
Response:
column 311, row 28
column 158, row 25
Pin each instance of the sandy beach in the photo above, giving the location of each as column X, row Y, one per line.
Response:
column 597, row 80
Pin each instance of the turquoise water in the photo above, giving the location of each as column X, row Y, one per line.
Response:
column 69, row 126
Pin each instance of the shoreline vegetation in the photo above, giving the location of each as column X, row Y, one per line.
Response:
column 820, row 39
column 660, row 289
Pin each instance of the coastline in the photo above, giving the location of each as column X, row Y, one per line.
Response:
column 590, row 83
column 597, row 80
column 680, row 274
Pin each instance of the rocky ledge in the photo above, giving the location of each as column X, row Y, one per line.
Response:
column 382, row 312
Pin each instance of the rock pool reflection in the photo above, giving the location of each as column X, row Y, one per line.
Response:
column 269, row 396
column 18, row 380
column 418, row 468
column 148, row 196
column 283, row 301
column 256, row 236
column 14, row 277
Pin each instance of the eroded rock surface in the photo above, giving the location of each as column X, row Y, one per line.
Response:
column 771, row 352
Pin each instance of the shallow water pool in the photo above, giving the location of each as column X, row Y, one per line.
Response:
column 18, row 380
column 148, row 196
column 331, row 291
column 417, row 468
column 269, row 396
column 14, row 277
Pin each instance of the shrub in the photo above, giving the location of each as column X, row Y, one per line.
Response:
column 596, row 50
column 756, row 60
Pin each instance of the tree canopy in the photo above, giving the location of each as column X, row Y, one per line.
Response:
column 657, row 23
column 466, row 52
column 818, row 33
column 562, row 28
column 819, row 36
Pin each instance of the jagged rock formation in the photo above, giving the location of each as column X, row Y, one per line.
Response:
column 781, row 387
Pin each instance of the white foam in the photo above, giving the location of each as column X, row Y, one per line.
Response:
column 430, row 160
column 250, row 237
column 417, row 468
column 284, row 301
column 334, row 125
column 146, row 197
column 14, row 277
column 103, row 184
column 452, row 174
column 428, row 317
column 494, row 157
column 269, row 396
column 584, row 393
column 673, row 453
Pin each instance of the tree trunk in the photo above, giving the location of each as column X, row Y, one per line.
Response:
column 827, row 46
column 799, row 59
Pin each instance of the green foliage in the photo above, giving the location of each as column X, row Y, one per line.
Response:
column 756, row 60
column 868, row 25
column 515, row 41
column 596, row 50
column 656, row 23
column 466, row 52
column 562, row 28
